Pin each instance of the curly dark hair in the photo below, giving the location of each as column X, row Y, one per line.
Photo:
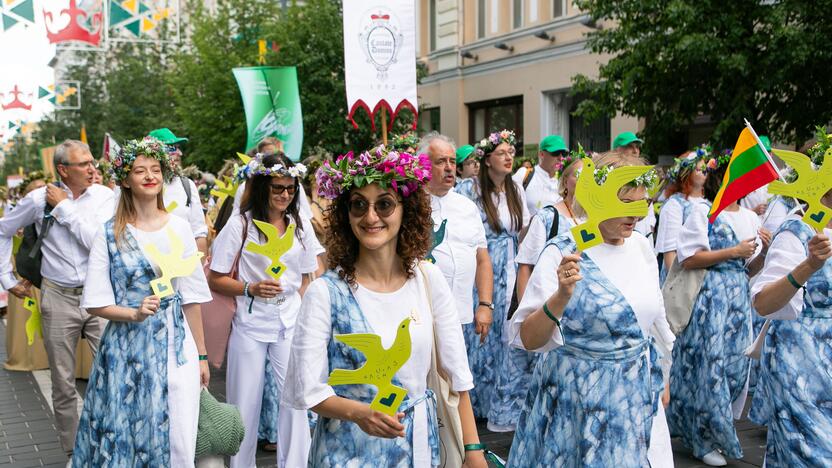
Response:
column 413, row 240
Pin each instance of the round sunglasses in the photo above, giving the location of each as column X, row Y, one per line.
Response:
column 384, row 207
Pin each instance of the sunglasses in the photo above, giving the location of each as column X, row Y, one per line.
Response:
column 277, row 189
column 384, row 207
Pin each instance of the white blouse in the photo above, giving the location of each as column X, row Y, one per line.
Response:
column 308, row 371
column 98, row 291
column 267, row 317
column 784, row 254
column 776, row 213
column 694, row 234
column 670, row 224
column 630, row 267
column 535, row 240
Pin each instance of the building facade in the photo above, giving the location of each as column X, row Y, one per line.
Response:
column 495, row 64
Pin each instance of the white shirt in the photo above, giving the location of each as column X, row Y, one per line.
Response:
column 175, row 192
column 776, row 213
column 646, row 224
column 304, row 210
column 670, row 224
column 694, row 234
column 542, row 189
column 98, row 290
column 456, row 256
column 755, row 198
column 267, row 319
column 308, row 371
column 536, row 238
column 784, row 254
column 68, row 242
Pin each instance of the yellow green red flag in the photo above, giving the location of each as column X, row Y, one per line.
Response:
column 748, row 170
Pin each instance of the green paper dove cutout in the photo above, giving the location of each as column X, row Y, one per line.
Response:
column 380, row 367
column 601, row 202
column 274, row 248
column 438, row 238
column 33, row 323
column 173, row 264
column 811, row 185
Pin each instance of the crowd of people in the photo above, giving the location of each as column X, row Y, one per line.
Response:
column 575, row 351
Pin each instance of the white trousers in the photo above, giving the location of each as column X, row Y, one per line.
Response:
column 244, row 389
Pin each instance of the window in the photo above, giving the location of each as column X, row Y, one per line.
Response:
column 492, row 116
column 558, row 8
column 429, row 120
column 517, row 14
column 591, row 134
column 432, row 22
column 480, row 19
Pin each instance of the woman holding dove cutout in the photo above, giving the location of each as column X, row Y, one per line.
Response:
column 794, row 290
column 273, row 250
column 709, row 378
column 368, row 328
column 142, row 401
column 594, row 394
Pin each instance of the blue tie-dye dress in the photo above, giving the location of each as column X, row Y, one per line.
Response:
column 591, row 402
column 494, row 395
column 710, row 369
column 125, row 417
column 794, row 389
column 339, row 443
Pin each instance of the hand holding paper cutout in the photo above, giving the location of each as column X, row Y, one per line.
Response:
column 33, row 323
column 811, row 185
column 380, row 367
column 173, row 265
column 601, row 202
column 438, row 237
column 274, row 248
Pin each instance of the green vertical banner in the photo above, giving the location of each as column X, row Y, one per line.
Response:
column 272, row 104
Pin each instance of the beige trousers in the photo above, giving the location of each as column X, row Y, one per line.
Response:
column 64, row 322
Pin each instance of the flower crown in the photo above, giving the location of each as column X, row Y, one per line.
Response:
column 487, row 145
column 404, row 142
column 683, row 164
column 647, row 180
column 567, row 161
column 148, row 147
column 404, row 172
column 719, row 161
column 255, row 167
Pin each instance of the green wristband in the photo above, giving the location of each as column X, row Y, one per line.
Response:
column 793, row 281
column 474, row 447
column 550, row 314
column 203, row 357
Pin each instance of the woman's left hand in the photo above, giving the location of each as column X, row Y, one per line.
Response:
column 475, row 459
column 765, row 238
column 204, row 373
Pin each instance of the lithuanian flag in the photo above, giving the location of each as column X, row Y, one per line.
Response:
column 748, row 170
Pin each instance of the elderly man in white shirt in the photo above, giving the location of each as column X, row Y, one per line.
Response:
column 539, row 182
column 79, row 209
column 459, row 248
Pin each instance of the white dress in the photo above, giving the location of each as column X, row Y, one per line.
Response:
column 308, row 372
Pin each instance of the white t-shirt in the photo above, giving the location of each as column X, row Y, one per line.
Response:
column 98, row 291
column 646, row 224
column 263, row 320
column 670, row 224
column 541, row 191
column 456, row 256
column 535, row 240
column 784, row 254
column 308, row 372
column 694, row 234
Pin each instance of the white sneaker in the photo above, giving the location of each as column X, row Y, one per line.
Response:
column 714, row 458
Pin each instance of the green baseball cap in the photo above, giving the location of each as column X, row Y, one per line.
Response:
column 463, row 152
column 766, row 142
column 166, row 136
column 553, row 144
column 624, row 139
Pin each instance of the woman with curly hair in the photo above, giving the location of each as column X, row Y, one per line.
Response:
column 142, row 401
column 503, row 212
column 378, row 230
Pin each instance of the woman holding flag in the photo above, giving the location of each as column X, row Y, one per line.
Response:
column 709, row 376
column 794, row 385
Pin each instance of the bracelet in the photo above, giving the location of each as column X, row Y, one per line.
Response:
column 550, row 314
column 474, row 447
column 793, row 281
column 203, row 357
column 245, row 289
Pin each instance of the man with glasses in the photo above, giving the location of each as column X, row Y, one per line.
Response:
column 67, row 215
column 460, row 250
column 181, row 194
column 539, row 182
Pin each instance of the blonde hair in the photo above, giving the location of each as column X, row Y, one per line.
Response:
column 612, row 159
column 563, row 175
column 126, row 212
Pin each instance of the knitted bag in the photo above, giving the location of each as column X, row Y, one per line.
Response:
column 220, row 429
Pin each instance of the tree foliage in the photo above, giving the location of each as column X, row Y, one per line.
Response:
column 676, row 60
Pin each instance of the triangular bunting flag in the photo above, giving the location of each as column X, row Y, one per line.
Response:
column 42, row 92
column 12, row 125
column 8, row 21
column 118, row 14
column 147, row 25
column 129, row 5
column 133, row 27
column 52, row 99
column 143, row 8
column 25, row 10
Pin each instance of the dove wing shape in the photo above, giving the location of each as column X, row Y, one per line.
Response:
column 275, row 246
column 800, row 163
column 369, row 345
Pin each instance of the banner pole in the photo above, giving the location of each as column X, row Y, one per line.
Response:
column 384, row 125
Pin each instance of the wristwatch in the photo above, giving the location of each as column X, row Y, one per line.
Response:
column 490, row 305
